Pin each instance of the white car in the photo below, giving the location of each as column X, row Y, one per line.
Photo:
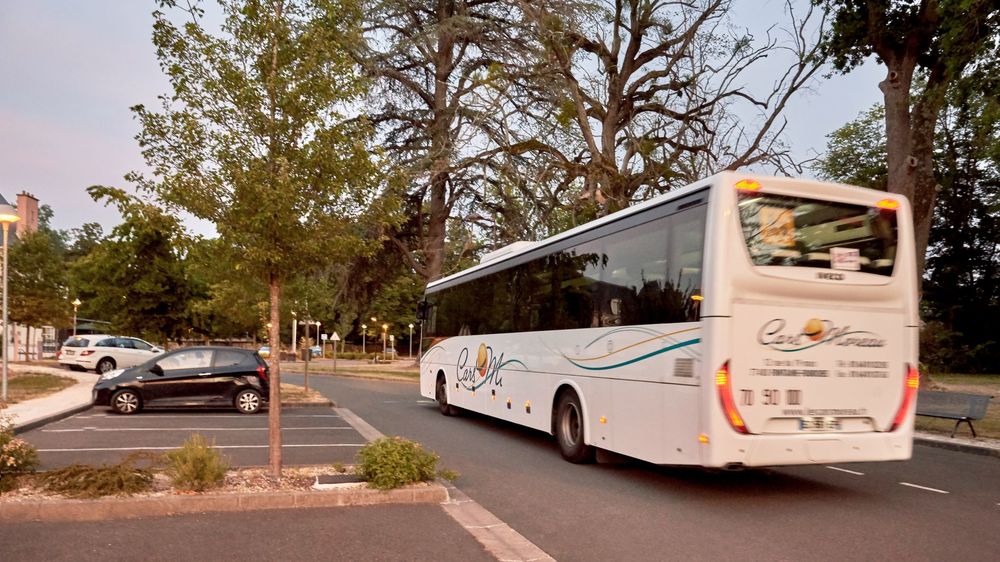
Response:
column 103, row 353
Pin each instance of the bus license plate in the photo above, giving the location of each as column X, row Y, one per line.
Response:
column 819, row 424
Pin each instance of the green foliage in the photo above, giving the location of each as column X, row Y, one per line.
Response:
column 136, row 277
column 17, row 456
column 82, row 481
column 38, row 281
column 392, row 462
column 855, row 153
column 339, row 467
column 196, row 465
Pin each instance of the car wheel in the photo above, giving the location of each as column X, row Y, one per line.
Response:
column 105, row 365
column 441, row 395
column 126, row 402
column 248, row 401
column 569, row 430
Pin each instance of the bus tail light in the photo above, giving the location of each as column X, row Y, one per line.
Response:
column 911, row 384
column 724, row 386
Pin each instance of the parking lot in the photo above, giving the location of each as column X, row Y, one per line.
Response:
column 310, row 435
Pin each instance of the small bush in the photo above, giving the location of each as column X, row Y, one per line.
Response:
column 196, row 465
column 339, row 467
column 82, row 481
column 392, row 462
column 17, row 456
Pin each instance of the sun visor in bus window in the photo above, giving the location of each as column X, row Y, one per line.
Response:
column 799, row 232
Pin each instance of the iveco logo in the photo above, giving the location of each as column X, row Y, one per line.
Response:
column 830, row 276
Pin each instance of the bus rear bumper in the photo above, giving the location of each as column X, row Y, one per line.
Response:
column 779, row 450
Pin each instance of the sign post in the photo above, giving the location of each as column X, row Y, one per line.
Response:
column 335, row 338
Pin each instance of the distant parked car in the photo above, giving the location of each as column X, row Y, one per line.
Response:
column 315, row 351
column 264, row 351
column 190, row 376
column 103, row 353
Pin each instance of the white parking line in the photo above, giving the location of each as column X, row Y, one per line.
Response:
column 924, row 488
column 110, row 429
column 854, row 472
column 98, row 449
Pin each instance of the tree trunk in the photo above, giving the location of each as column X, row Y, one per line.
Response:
column 274, row 397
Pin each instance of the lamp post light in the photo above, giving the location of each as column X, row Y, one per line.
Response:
column 76, row 304
column 295, row 325
column 385, row 332
column 364, row 332
column 411, row 341
column 8, row 216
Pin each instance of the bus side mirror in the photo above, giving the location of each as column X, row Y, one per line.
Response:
column 422, row 310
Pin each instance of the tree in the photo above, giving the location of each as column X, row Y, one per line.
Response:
column 137, row 277
column 38, row 293
column 648, row 91
column 926, row 46
column 855, row 153
column 253, row 138
column 433, row 59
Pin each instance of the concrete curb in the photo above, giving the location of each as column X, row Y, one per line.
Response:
column 39, row 422
column 356, row 376
column 957, row 446
column 132, row 508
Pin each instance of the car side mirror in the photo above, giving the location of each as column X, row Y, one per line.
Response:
column 156, row 369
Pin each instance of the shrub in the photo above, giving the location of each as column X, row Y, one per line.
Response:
column 196, row 465
column 17, row 456
column 82, row 481
column 392, row 462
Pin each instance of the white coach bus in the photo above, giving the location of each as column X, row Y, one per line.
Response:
column 740, row 321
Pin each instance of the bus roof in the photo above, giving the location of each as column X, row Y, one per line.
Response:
column 520, row 248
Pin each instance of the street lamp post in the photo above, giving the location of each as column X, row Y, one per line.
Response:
column 392, row 340
column 385, row 332
column 76, row 303
column 295, row 325
column 411, row 341
column 8, row 216
column 364, row 332
column 320, row 341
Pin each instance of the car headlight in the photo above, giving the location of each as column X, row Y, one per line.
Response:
column 112, row 374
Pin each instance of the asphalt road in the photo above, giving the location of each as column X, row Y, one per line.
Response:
column 941, row 505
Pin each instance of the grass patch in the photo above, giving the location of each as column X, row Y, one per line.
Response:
column 26, row 386
column 988, row 427
column 296, row 394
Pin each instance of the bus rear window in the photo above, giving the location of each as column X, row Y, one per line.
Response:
column 798, row 232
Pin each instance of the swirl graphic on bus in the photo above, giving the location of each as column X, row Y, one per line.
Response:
column 485, row 371
column 815, row 332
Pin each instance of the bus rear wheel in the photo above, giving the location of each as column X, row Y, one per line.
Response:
column 441, row 395
column 569, row 430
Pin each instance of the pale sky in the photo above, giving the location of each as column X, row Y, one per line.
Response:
column 72, row 69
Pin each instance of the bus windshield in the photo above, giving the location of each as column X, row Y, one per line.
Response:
column 798, row 232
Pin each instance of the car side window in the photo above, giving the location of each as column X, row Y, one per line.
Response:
column 141, row 345
column 106, row 342
column 229, row 358
column 187, row 359
column 123, row 343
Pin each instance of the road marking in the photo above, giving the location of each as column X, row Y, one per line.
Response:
column 924, row 488
column 497, row 537
column 100, row 449
column 854, row 472
column 110, row 429
column 409, row 402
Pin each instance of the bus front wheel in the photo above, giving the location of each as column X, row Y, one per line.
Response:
column 441, row 395
column 569, row 430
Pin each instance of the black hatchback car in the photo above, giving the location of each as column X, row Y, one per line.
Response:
column 189, row 376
